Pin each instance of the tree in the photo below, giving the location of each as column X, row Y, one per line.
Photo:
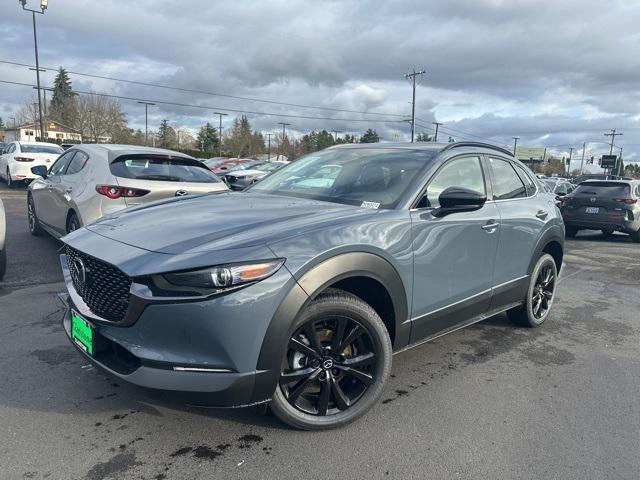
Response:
column 314, row 141
column 63, row 105
column 1, row 123
column 554, row 166
column 99, row 117
column 346, row 139
column 241, row 141
column 207, row 139
column 370, row 136
column 166, row 135
column 424, row 137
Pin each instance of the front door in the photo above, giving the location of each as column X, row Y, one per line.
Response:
column 453, row 255
column 48, row 207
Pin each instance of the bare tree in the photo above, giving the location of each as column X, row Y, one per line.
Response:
column 99, row 117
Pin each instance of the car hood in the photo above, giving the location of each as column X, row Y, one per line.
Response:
column 223, row 221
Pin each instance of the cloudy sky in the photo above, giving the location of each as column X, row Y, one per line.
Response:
column 554, row 73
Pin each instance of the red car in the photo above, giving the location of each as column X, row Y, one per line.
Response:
column 222, row 165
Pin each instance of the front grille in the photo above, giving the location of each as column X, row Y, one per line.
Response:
column 104, row 288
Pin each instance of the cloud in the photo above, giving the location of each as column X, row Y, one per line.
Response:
column 553, row 73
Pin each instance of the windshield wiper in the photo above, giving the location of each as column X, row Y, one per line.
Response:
column 168, row 178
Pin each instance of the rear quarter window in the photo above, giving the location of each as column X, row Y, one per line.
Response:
column 163, row 168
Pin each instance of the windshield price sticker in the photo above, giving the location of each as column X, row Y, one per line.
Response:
column 374, row 205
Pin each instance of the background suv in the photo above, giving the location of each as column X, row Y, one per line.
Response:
column 607, row 205
column 89, row 181
column 300, row 297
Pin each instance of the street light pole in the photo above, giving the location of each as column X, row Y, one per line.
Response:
column 43, row 7
column 146, row 121
column 584, row 146
column 220, row 115
column 284, row 126
column 413, row 76
column 515, row 144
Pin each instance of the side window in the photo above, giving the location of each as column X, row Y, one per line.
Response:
column 12, row 148
column 562, row 189
column 526, row 179
column 461, row 172
column 78, row 163
column 61, row 164
column 506, row 182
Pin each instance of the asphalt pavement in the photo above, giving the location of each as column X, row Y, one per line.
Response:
column 490, row 401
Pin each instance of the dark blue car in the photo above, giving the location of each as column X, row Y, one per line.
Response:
column 297, row 291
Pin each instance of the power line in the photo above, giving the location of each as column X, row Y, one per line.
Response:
column 204, row 92
column 206, row 107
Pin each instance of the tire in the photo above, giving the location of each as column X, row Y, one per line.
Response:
column 32, row 217
column 73, row 223
column 542, row 287
column 570, row 232
column 10, row 182
column 636, row 236
column 330, row 389
column 3, row 262
column 607, row 232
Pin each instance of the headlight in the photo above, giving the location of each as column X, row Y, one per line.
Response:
column 225, row 276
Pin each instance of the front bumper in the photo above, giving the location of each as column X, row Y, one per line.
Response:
column 204, row 352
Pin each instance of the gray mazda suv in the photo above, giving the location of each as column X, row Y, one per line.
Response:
column 301, row 297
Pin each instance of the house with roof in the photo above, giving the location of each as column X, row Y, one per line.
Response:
column 54, row 132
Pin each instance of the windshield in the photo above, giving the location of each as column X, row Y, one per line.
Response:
column 248, row 166
column 162, row 168
column 270, row 167
column 40, row 149
column 371, row 177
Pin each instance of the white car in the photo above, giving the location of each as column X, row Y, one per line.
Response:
column 3, row 251
column 20, row 157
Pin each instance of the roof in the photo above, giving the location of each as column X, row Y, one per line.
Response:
column 37, row 126
column 48, row 144
column 440, row 146
column 114, row 150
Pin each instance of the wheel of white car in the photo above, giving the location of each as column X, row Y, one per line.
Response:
column 10, row 182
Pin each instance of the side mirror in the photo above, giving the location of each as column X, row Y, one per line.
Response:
column 40, row 170
column 459, row 199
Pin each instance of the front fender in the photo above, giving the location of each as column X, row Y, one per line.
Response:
column 309, row 286
column 554, row 233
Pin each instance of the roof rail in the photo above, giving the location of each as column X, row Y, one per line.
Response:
column 477, row 144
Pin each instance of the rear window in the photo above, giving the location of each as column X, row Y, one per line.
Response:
column 613, row 190
column 162, row 168
column 40, row 149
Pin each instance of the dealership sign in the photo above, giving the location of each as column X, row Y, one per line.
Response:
column 608, row 161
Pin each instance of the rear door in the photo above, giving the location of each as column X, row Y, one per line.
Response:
column 162, row 177
column 523, row 215
column 453, row 255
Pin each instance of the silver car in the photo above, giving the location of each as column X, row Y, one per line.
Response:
column 90, row 181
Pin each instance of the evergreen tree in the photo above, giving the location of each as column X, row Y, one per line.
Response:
column 424, row 137
column 166, row 135
column 370, row 136
column 1, row 123
column 207, row 139
column 62, row 107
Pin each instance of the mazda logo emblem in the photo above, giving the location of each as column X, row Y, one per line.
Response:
column 327, row 364
column 181, row 193
column 79, row 272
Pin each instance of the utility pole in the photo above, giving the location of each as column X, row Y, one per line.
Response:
column 569, row 162
column 515, row 144
column 220, row 115
column 613, row 136
column 584, row 146
column 437, row 124
column 335, row 135
column 284, row 126
column 43, row 7
column 269, row 148
column 146, row 122
column 413, row 76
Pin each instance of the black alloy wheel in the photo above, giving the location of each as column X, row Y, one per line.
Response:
column 543, row 290
column 536, row 306
column 73, row 223
column 336, row 363
column 329, row 366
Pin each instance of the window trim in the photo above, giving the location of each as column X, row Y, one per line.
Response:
column 423, row 190
column 513, row 165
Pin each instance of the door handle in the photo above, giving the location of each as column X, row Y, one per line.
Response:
column 490, row 227
column 542, row 214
